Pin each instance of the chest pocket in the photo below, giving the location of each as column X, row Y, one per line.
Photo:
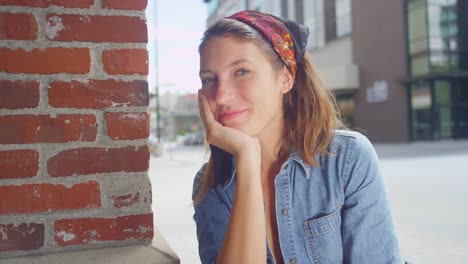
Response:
column 323, row 238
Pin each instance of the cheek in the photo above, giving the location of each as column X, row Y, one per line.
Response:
column 248, row 88
column 256, row 90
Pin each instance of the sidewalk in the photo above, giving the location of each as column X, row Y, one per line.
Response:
column 171, row 179
column 427, row 184
column 421, row 149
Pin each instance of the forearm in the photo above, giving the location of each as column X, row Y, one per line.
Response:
column 245, row 237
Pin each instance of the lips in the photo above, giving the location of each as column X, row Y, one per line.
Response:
column 230, row 115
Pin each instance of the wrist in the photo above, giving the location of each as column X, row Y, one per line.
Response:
column 249, row 151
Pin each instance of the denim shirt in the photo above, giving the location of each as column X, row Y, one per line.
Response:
column 336, row 213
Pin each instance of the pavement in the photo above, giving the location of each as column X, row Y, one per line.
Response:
column 171, row 179
column 427, row 184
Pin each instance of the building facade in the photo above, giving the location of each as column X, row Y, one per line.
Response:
column 397, row 68
column 438, row 68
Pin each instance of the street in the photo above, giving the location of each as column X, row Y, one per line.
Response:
column 427, row 184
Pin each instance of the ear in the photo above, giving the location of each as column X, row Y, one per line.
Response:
column 285, row 80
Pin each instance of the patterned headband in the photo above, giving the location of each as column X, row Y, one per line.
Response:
column 288, row 38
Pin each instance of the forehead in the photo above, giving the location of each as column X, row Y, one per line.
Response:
column 224, row 50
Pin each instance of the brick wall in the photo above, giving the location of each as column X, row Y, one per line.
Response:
column 73, row 125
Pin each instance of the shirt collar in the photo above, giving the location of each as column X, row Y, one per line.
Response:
column 293, row 157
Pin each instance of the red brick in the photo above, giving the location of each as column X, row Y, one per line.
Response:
column 45, row 61
column 24, row 236
column 125, row 61
column 61, row 27
column 25, row 129
column 46, row 3
column 98, row 94
column 32, row 3
column 127, row 125
column 126, row 200
column 18, row 164
column 87, row 230
column 125, row 5
column 84, row 161
column 19, row 94
column 73, row 3
column 18, row 26
column 33, row 198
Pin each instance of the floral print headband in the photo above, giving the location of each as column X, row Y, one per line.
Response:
column 288, row 38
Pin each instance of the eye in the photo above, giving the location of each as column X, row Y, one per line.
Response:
column 242, row 72
column 206, row 81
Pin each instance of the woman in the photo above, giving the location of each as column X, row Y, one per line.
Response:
column 283, row 183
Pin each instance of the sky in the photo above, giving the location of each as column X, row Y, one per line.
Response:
column 179, row 26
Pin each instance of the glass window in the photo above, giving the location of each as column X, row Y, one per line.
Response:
column 310, row 20
column 443, row 108
column 337, row 18
column 421, row 106
column 276, row 7
column 212, row 6
column 330, row 20
column 433, row 33
column 418, row 37
column 233, row 9
column 244, row 4
column 343, row 17
column 443, row 34
column 284, row 8
column 299, row 7
column 417, row 27
column 420, row 64
column 460, row 108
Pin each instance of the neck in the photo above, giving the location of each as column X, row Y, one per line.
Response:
column 271, row 141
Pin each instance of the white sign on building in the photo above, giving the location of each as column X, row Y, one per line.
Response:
column 378, row 92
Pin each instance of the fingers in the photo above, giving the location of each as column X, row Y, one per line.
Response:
column 226, row 138
column 207, row 117
column 209, row 122
column 205, row 111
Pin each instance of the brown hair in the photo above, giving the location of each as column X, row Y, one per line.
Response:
column 310, row 110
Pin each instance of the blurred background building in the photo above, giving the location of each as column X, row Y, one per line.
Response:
column 178, row 117
column 399, row 69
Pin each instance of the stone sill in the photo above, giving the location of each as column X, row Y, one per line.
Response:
column 159, row 252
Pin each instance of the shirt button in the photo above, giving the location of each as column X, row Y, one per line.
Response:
column 284, row 211
column 292, row 261
column 286, row 166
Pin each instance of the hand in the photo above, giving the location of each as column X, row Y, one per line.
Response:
column 229, row 139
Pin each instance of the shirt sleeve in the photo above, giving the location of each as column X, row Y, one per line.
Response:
column 368, row 231
column 211, row 219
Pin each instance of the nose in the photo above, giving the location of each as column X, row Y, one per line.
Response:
column 225, row 93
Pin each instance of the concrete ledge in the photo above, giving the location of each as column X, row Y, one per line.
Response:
column 340, row 77
column 159, row 252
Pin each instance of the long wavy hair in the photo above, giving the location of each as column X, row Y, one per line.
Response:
column 310, row 111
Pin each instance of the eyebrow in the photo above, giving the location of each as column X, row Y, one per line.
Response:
column 230, row 65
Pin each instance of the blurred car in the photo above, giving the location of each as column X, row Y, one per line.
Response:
column 194, row 139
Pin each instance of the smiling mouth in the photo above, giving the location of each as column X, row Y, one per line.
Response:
column 224, row 117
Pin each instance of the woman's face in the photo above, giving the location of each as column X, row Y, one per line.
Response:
column 243, row 90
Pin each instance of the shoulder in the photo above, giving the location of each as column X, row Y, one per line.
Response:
column 350, row 136
column 354, row 152
column 352, row 142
